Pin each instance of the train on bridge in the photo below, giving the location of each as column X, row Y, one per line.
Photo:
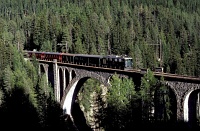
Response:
column 104, row 61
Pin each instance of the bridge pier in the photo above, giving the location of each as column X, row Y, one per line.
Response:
column 180, row 110
column 56, row 81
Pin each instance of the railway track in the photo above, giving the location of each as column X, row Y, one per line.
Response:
column 157, row 74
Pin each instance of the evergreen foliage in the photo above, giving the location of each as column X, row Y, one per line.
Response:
column 118, row 114
column 105, row 27
column 138, row 28
column 26, row 98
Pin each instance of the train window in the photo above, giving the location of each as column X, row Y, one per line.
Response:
column 158, row 69
column 104, row 61
column 128, row 62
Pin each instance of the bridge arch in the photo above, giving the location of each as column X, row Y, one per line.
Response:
column 61, row 81
column 43, row 69
column 191, row 105
column 73, row 74
column 67, row 77
column 73, row 88
column 186, row 93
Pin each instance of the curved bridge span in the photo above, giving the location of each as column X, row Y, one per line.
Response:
column 67, row 80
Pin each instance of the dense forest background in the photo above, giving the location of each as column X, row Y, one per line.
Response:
column 153, row 32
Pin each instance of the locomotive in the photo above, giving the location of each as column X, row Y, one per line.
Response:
column 104, row 61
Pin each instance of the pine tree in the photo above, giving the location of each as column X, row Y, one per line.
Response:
column 163, row 103
column 20, row 39
column 138, row 57
column 147, row 92
column 8, row 79
column 66, row 40
column 121, row 94
column 79, row 47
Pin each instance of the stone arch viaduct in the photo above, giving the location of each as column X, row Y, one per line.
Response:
column 67, row 80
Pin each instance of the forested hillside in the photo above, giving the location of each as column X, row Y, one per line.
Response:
column 154, row 32
column 26, row 100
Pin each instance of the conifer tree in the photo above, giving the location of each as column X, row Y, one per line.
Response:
column 20, row 39
column 66, row 40
column 120, row 96
column 147, row 92
column 79, row 47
